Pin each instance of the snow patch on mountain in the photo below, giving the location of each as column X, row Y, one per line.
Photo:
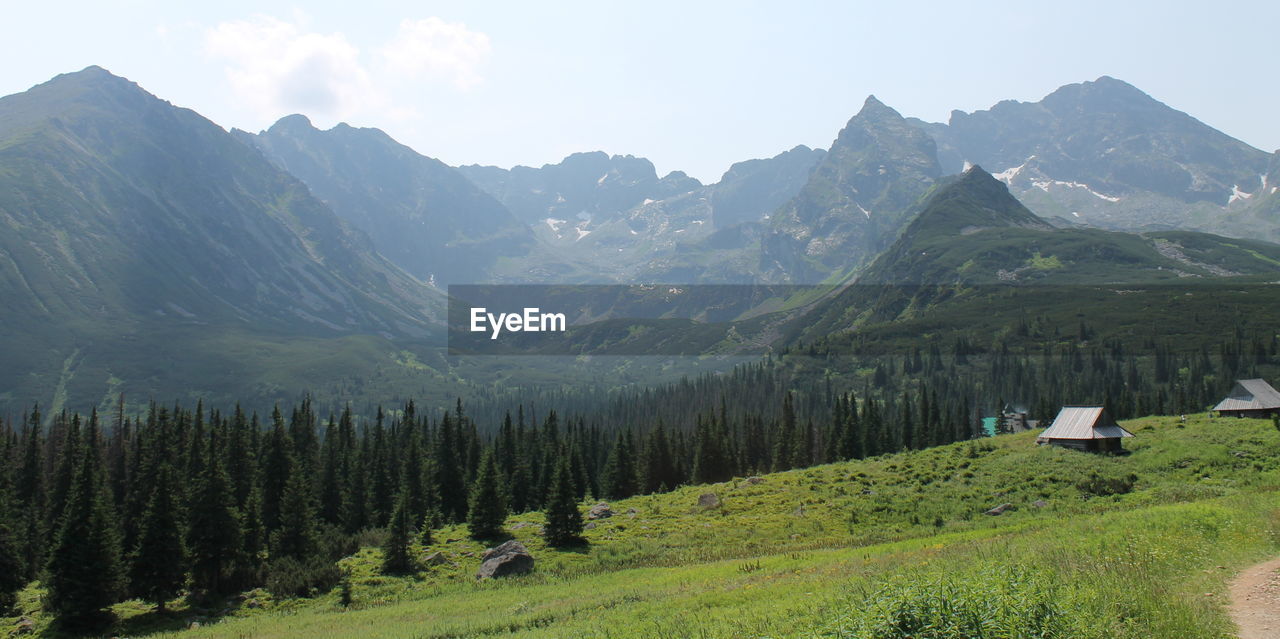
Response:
column 1237, row 194
column 1044, row 185
column 1007, row 176
column 555, row 224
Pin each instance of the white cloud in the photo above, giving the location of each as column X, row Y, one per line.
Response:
column 278, row 67
column 435, row 48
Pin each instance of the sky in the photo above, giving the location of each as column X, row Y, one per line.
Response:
column 693, row 86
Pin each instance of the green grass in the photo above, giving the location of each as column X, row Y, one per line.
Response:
column 860, row 549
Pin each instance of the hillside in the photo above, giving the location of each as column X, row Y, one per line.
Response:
column 147, row 251
column 975, row 261
column 829, row 550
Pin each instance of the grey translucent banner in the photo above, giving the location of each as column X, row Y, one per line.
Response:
column 871, row 319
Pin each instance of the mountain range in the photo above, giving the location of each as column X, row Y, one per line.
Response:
column 148, row 251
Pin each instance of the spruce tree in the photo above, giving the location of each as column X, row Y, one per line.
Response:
column 564, row 520
column 65, row 473
column 450, row 474
column 784, row 449
column 159, row 564
column 29, row 489
column 12, row 570
column 250, row 568
column 657, row 467
column 86, row 574
column 619, row 476
column 277, row 466
column 397, row 557
column 296, row 536
column 488, row 504
column 213, row 526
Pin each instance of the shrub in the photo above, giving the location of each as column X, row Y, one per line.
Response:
column 1012, row 603
column 1098, row 486
column 288, row 577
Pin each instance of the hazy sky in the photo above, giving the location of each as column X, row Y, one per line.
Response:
column 693, row 86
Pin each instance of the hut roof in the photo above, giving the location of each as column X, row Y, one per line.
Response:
column 1083, row 422
column 1250, row 394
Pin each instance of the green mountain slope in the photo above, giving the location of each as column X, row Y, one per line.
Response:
column 138, row 237
column 975, row 260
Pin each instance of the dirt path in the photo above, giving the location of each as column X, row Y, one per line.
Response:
column 1255, row 601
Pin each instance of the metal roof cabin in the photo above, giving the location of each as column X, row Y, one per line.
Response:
column 1250, row 398
column 1087, row 428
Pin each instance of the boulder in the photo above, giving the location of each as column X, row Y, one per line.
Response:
column 1039, row 503
column 589, row 526
column 999, row 510
column 436, row 559
column 752, row 481
column 600, row 511
column 708, row 500
column 510, row 558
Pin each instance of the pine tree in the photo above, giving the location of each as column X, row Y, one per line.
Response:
column 564, row 520
column 213, row 526
column 657, row 466
column 397, row 556
column 64, row 475
column 296, row 537
column 29, row 489
column 488, row 506
column 450, row 472
column 86, row 573
column 251, row 565
column 12, row 570
column 382, row 488
column 277, row 467
column 619, row 476
column 784, row 456
column 159, row 564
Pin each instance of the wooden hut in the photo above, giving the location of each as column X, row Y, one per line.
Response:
column 1086, row 428
column 1250, row 398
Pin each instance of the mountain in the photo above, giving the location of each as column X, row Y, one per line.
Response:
column 973, row 230
column 612, row 219
column 1106, row 154
column 420, row 213
column 752, row 189
column 145, row 249
column 973, row 247
column 581, row 191
column 856, row 198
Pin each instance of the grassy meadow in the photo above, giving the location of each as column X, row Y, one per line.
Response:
column 1140, row 545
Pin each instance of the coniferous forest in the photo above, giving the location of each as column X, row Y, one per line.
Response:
column 205, row 502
